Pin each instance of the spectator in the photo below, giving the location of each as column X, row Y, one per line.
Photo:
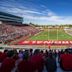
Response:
column 37, row 61
column 25, row 64
column 50, row 63
column 3, row 56
column 66, row 61
column 8, row 64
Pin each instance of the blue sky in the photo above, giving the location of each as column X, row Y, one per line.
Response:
column 40, row 11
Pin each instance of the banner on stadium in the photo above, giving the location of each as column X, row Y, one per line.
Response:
column 45, row 43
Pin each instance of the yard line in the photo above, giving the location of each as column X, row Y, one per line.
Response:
column 48, row 33
column 57, row 33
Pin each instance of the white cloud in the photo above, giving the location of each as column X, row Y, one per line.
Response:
column 23, row 11
column 50, row 13
column 51, row 16
column 30, row 11
column 46, row 16
column 43, row 6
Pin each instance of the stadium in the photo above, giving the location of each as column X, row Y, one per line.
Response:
column 27, row 44
column 13, row 32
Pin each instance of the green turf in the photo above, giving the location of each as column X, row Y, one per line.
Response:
column 52, row 35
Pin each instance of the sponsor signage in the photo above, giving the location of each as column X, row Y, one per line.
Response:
column 49, row 42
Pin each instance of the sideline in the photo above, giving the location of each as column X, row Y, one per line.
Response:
column 28, row 47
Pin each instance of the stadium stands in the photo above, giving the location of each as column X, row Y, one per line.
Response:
column 10, row 32
column 12, row 27
column 30, row 60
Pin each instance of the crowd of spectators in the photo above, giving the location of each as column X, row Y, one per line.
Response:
column 30, row 60
column 10, row 32
column 65, row 59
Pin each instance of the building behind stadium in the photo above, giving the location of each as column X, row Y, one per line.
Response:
column 10, row 19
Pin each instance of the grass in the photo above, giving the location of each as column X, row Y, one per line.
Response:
column 51, row 34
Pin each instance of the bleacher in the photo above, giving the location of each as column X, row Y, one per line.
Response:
column 29, row 60
column 9, row 32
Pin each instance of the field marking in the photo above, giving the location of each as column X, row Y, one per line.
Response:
column 54, row 34
column 67, row 32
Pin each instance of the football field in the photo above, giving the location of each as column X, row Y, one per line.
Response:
column 51, row 34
